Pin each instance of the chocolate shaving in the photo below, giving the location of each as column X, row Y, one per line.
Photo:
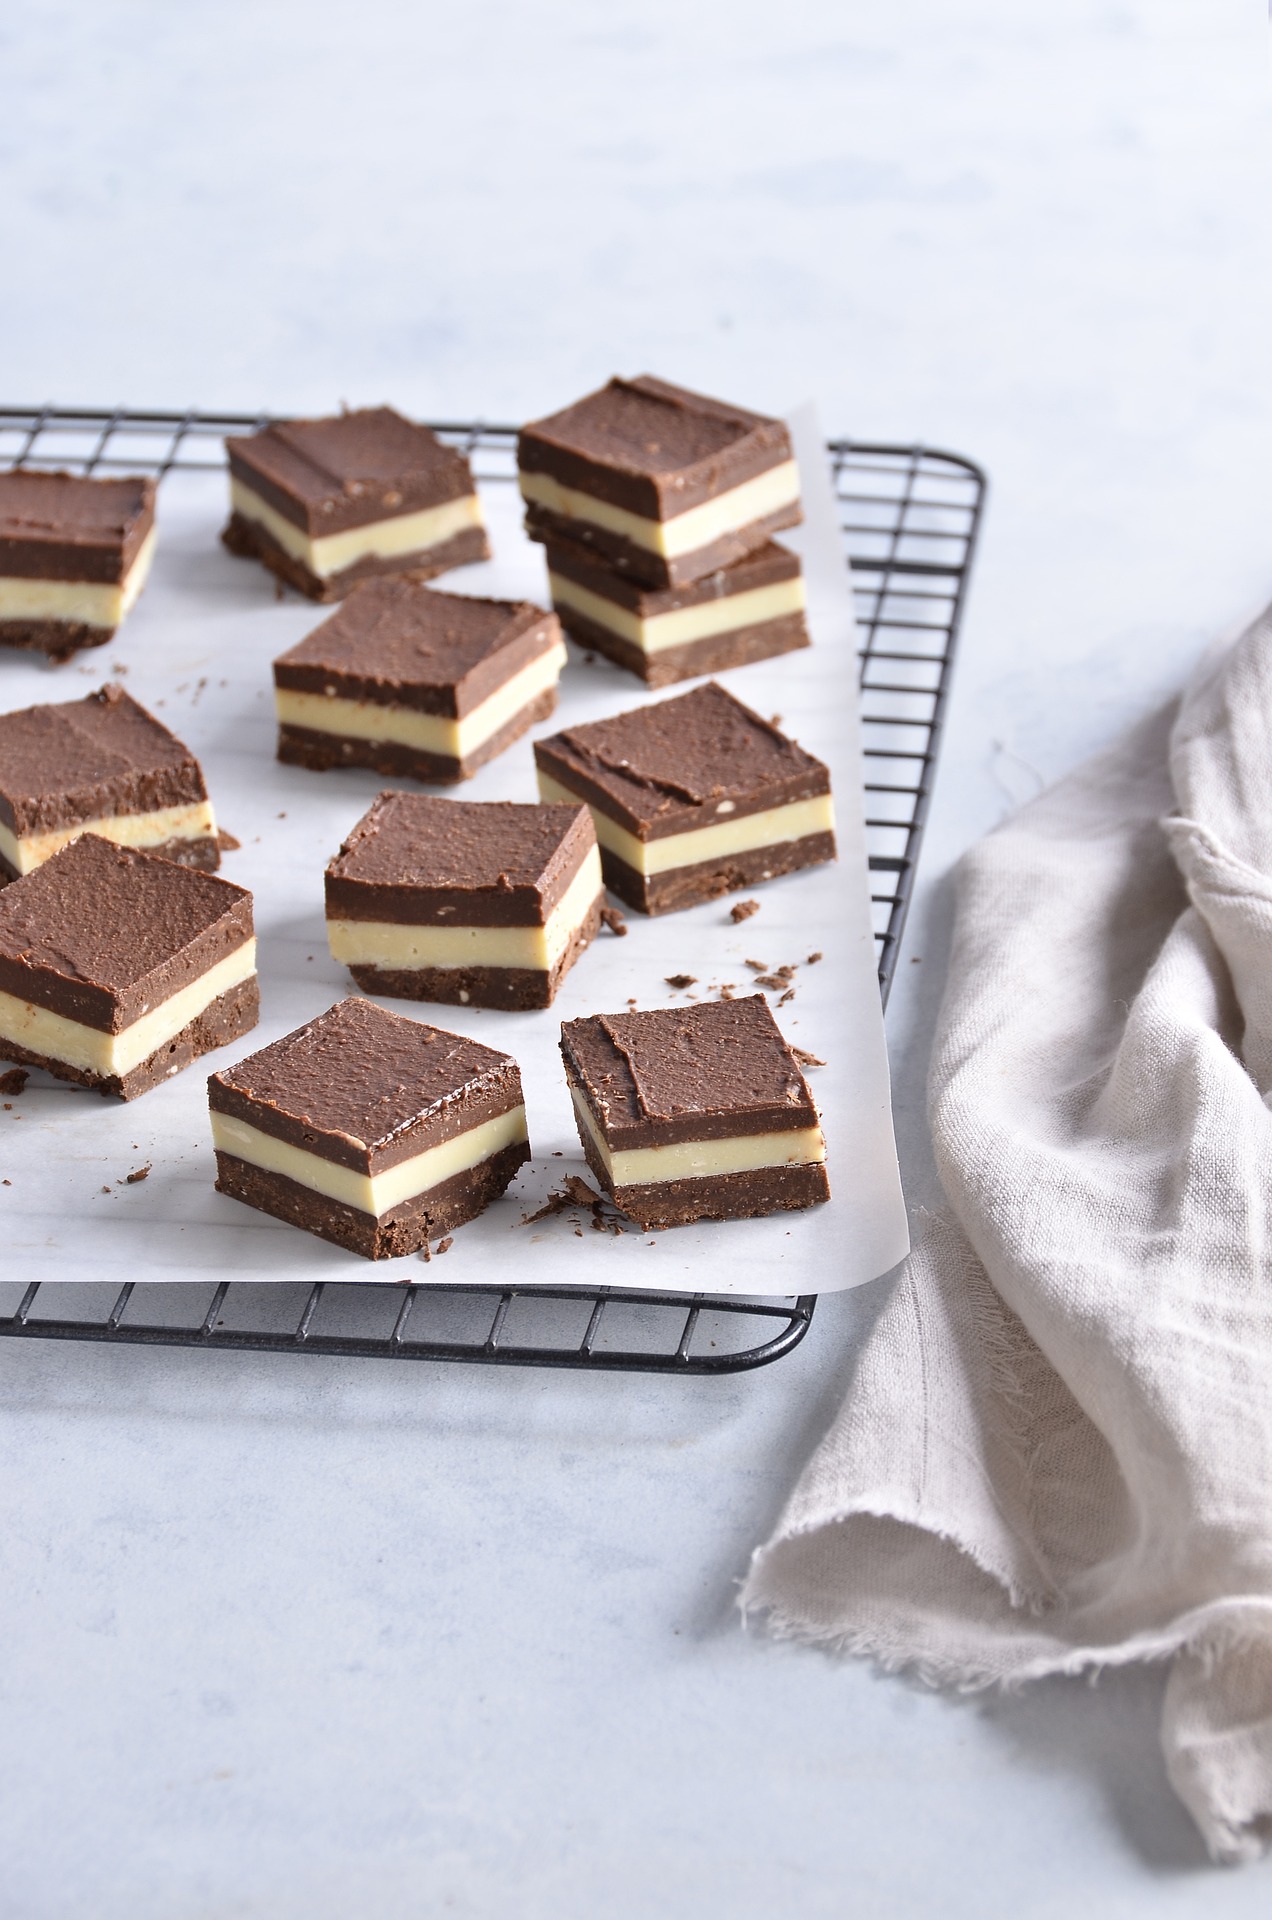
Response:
column 742, row 910
column 682, row 980
column 807, row 1059
column 14, row 1080
column 613, row 919
column 574, row 1193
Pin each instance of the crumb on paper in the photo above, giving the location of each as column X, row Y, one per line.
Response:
column 120, row 667
column 681, row 980
column 775, row 720
column 788, row 995
column 14, row 1080
column 812, row 959
column 105, row 1189
column 914, row 959
column 772, row 982
column 787, row 972
column 807, row 1059
column 757, row 966
column 281, row 816
column 138, row 1174
column 742, row 910
column 578, row 1233
column 445, row 1244
column 425, row 1252
column 726, row 991
column 614, row 920
column 6, row 1183
column 226, row 841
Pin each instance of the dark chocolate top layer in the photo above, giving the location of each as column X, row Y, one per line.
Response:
column 88, row 759
column 419, row 860
column 397, row 643
column 764, row 568
column 63, row 526
column 367, row 1088
column 349, row 469
column 102, row 933
column 652, row 448
column 682, row 763
column 687, row 1073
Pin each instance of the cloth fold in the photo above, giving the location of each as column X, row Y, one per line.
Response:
column 1055, row 1452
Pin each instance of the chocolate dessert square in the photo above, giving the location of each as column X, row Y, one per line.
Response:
column 668, row 485
column 691, row 798
column 99, row 765
column 117, row 969
column 695, row 1113
column 371, row 1130
column 74, row 555
column 475, row 903
column 326, row 503
column 408, row 680
column 749, row 611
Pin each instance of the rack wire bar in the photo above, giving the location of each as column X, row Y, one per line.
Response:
column 910, row 517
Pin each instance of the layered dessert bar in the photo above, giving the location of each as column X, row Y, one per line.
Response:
column 487, row 904
column 407, row 680
column 695, row 1113
column 370, row 1130
column 326, row 503
column 668, row 485
column 691, row 798
column 117, row 969
column 749, row 611
column 99, row 765
column 74, row 555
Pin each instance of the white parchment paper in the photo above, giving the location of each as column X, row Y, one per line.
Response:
column 197, row 651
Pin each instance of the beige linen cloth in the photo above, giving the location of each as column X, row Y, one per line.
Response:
column 1056, row 1449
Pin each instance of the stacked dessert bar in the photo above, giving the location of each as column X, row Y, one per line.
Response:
column 657, row 508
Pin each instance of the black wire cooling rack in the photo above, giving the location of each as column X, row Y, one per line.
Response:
column 909, row 518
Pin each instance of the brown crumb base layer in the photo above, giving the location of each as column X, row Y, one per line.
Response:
column 251, row 542
column 715, row 655
column 229, row 1017
column 306, row 747
column 653, row 569
column 726, row 1196
column 405, row 1229
column 58, row 638
column 513, row 989
column 689, row 886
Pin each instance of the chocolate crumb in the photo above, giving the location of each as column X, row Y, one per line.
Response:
column 775, row 720
column 6, row 1183
column 757, row 966
column 120, row 667
column 812, row 959
column 226, row 841
column 786, row 973
column 282, row 816
column 726, row 991
column 682, row 980
column 105, row 1189
column 445, row 1245
column 807, row 1059
column 773, row 981
column 742, row 910
column 788, row 995
column 138, row 1173
column 613, row 919
column 578, row 1233
column 14, row 1080
column 425, row 1252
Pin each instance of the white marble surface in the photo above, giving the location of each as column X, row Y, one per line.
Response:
column 330, row 1640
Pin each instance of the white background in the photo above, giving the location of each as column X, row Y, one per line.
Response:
column 321, row 1639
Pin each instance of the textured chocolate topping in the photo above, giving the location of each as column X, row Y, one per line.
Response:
column 763, row 569
column 397, row 643
column 349, row 469
column 88, row 759
column 431, row 862
column 366, row 1088
column 103, row 933
column 705, row 1072
column 652, row 448
column 682, row 763
column 62, row 526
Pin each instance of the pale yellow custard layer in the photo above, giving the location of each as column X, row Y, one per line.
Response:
column 720, row 841
column 372, row 1193
column 109, row 1054
column 684, row 532
column 386, row 943
column 425, row 732
column 683, row 625
column 331, row 553
column 88, row 603
column 193, row 822
column 702, row 1159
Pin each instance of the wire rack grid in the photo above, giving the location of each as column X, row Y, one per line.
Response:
column 910, row 516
